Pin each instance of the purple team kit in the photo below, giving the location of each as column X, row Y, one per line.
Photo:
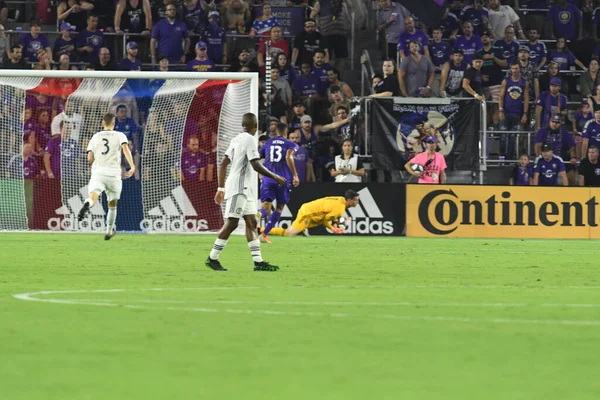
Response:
column 274, row 150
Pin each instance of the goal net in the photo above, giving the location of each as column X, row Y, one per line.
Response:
column 178, row 124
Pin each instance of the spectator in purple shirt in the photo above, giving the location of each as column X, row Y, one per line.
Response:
column 167, row 35
column 216, row 38
column 563, row 56
column 193, row 162
column 320, row 68
column 537, row 49
column 65, row 44
column 478, row 15
column 409, row 35
column 566, row 20
column 34, row 41
column 131, row 63
column 468, row 42
column 90, row 40
column 440, row 51
column 522, row 173
column 449, row 25
column 304, row 164
column 508, row 45
column 201, row 63
column 306, row 84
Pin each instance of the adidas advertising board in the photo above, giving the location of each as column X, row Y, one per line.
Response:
column 380, row 211
column 174, row 213
column 66, row 219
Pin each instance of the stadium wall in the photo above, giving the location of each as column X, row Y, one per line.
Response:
column 502, row 212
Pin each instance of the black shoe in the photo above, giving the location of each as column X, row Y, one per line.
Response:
column 265, row 266
column 83, row 212
column 214, row 264
column 112, row 235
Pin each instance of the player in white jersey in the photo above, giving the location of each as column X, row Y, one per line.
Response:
column 104, row 155
column 239, row 192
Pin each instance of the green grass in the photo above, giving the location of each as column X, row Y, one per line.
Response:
column 344, row 318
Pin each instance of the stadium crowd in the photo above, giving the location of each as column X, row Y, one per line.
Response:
column 531, row 60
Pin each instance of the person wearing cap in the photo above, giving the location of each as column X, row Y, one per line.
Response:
column 589, row 169
column 453, row 72
column 548, row 167
column 491, row 71
column 433, row 163
column 552, row 71
column 416, row 73
column 591, row 133
column 34, row 41
column 468, row 42
column 471, row 82
column 309, row 134
column 440, row 51
column 168, row 35
column 550, row 103
column 508, row 45
column 390, row 17
column 562, row 143
column 529, row 71
column 216, row 39
column 244, row 62
column 537, row 49
column 409, row 36
column 131, row 63
column 64, row 44
column 201, row 63
column 90, row 40
column 309, row 40
column 513, row 109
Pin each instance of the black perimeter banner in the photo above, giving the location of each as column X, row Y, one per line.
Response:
column 399, row 129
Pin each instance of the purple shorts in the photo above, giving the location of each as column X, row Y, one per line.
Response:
column 270, row 191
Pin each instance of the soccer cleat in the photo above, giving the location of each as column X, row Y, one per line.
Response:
column 83, row 211
column 215, row 265
column 112, row 235
column 264, row 238
column 265, row 266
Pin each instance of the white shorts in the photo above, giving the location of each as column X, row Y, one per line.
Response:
column 112, row 185
column 238, row 205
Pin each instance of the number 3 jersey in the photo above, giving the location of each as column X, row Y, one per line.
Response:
column 106, row 147
column 274, row 151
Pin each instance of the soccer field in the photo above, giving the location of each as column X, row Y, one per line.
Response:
column 140, row 317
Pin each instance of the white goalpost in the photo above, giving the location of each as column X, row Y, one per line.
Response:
column 179, row 125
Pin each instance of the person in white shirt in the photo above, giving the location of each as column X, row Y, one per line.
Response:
column 104, row 155
column 501, row 17
column 240, row 195
column 68, row 115
column 347, row 167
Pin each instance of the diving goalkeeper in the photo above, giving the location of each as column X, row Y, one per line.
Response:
column 325, row 211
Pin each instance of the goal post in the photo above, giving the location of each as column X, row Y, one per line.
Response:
column 179, row 124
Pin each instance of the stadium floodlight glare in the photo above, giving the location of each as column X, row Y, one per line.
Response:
column 54, row 114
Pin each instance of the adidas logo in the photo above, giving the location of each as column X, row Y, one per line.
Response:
column 169, row 215
column 365, row 218
column 93, row 222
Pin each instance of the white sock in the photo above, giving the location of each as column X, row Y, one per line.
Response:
column 217, row 248
column 255, row 250
column 110, row 219
column 88, row 201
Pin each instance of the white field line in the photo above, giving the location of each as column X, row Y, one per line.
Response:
column 31, row 296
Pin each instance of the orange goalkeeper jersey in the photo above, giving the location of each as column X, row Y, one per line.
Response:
column 325, row 209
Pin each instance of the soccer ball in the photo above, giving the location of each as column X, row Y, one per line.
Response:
column 342, row 222
column 417, row 167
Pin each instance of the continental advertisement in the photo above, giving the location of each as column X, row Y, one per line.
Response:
column 502, row 211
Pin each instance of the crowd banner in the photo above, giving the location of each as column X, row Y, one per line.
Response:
column 502, row 211
column 291, row 19
column 380, row 212
column 399, row 127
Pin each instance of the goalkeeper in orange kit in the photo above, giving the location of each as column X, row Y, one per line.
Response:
column 325, row 211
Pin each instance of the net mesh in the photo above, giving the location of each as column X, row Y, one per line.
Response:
column 178, row 130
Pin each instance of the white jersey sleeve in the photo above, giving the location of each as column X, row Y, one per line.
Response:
column 106, row 146
column 242, row 177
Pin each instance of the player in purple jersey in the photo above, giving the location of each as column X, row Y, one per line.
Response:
column 279, row 159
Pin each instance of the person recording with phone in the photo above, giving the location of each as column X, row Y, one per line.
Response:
column 429, row 166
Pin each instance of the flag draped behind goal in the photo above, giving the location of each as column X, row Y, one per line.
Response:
column 178, row 130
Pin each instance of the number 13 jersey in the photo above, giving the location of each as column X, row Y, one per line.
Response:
column 274, row 151
column 106, row 147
